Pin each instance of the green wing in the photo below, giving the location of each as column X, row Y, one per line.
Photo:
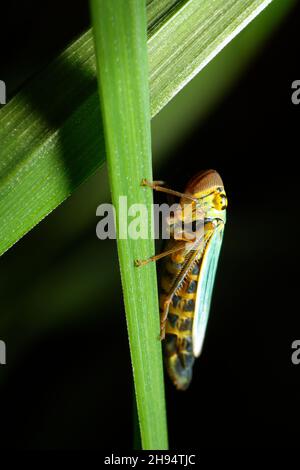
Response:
column 206, row 281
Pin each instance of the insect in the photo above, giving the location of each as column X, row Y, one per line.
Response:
column 188, row 271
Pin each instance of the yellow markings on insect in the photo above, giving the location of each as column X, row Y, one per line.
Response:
column 188, row 272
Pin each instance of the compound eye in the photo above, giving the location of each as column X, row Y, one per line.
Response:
column 224, row 201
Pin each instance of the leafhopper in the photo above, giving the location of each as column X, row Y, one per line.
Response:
column 188, row 272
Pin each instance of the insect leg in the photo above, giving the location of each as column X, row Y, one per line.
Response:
column 169, row 297
column 181, row 239
column 182, row 275
column 140, row 262
column 156, row 185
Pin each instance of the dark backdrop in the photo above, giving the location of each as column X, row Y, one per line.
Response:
column 71, row 388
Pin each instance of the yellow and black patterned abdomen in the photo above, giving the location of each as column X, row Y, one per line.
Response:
column 178, row 346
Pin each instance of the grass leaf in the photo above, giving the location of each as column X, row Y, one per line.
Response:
column 121, row 53
column 49, row 133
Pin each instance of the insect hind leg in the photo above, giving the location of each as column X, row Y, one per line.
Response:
column 164, row 315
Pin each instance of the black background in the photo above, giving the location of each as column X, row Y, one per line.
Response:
column 245, row 391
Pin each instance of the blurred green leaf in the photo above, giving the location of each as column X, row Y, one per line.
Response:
column 49, row 137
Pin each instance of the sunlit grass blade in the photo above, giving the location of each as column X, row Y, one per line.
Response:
column 203, row 28
column 121, row 53
column 49, row 140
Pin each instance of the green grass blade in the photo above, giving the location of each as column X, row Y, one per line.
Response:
column 121, row 53
column 49, row 133
column 203, row 28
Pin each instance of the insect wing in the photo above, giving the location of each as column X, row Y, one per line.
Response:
column 207, row 275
